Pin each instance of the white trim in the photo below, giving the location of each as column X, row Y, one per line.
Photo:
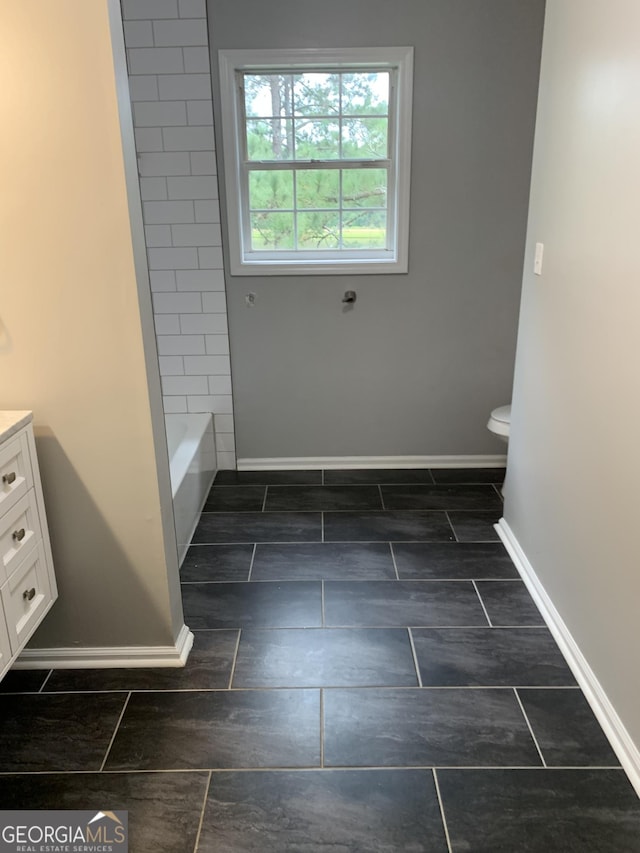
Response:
column 613, row 727
column 401, row 100
column 318, row 267
column 109, row 657
column 293, row 463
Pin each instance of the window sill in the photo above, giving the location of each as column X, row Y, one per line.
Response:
column 328, row 267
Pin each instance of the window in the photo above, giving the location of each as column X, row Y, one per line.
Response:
column 317, row 153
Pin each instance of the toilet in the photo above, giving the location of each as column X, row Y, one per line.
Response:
column 500, row 423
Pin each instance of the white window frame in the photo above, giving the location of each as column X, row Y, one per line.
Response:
column 394, row 259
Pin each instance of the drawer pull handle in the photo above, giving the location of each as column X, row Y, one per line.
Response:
column 9, row 478
column 28, row 594
column 19, row 535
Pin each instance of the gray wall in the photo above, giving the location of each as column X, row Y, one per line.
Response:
column 574, row 468
column 419, row 363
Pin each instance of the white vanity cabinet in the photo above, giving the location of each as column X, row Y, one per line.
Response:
column 27, row 582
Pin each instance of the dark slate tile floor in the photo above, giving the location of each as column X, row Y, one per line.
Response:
column 369, row 675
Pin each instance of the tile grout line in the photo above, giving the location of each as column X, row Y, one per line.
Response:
column 322, row 602
column 305, row 626
column 442, row 814
column 446, row 512
column 322, row 526
column 491, row 625
column 357, row 579
column 49, row 674
column 253, row 556
column 334, row 768
column 235, row 659
column 298, row 687
column 415, row 657
column 409, row 509
column 113, row 736
column 526, row 719
column 204, row 805
column 393, row 557
column 264, row 502
column 381, row 497
column 321, row 727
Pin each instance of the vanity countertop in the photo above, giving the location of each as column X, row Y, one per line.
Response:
column 11, row 422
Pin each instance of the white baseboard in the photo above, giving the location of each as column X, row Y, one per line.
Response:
column 298, row 463
column 612, row 725
column 109, row 657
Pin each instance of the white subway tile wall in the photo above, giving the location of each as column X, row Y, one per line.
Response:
column 148, row 139
column 193, row 187
column 158, row 235
column 155, row 189
column 161, row 164
column 168, row 324
column 170, row 86
column 200, row 280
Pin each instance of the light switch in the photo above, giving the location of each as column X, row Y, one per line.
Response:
column 537, row 259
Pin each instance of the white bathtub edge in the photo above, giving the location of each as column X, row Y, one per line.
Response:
column 192, row 464
column 180, row 456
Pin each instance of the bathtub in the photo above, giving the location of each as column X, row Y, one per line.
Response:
column 192, row 465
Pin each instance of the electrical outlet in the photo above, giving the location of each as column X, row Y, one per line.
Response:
column 537, row 259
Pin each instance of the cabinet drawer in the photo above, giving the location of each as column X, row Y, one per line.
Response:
column 19, row 532
column 26, row 597
column 15, row 472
